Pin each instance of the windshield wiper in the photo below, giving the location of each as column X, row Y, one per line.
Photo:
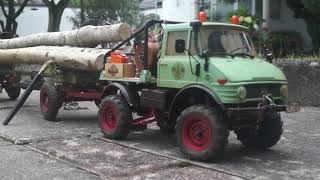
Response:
column 243, row 54
column 221, row 54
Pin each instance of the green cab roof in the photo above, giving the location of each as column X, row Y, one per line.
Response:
column 187, row 26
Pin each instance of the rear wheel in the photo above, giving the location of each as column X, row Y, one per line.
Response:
column 114, row 117
column 266, row 136
column 13, row 92
column 202, row 133
column 49, row 101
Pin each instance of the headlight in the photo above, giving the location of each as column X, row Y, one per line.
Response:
column 284, row 91
column 242, row 92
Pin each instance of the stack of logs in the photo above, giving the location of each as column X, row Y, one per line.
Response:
column 68, row 49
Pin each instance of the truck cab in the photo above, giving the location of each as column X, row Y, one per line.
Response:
column 208, row 81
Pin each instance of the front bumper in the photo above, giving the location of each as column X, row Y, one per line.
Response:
column 254, row 111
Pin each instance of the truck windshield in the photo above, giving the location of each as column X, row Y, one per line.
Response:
column 225, row 41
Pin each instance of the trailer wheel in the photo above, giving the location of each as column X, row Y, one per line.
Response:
column 202, row 133
column 266, row 136
column 49, row 101
column 13, row 92
column 166, row 126
column 114, row 117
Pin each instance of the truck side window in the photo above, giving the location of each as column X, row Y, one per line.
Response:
column 172, row 37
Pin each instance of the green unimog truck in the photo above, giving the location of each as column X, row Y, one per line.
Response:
column 204, row 81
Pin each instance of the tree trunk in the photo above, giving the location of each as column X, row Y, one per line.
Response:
column 55, row 15
column 87, row 59
column 11, row 15
column 88, row 36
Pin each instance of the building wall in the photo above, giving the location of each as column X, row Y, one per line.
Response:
column 185, row 10
column 288, row 22
column 180, row 10
column 176, row 10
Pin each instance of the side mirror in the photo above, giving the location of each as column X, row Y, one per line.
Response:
column 180, row 46
column 198, row 69
column 205, row 53
column 268, row 55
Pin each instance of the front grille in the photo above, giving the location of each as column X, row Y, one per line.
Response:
column 258, row 90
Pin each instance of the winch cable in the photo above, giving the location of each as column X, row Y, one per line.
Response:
column 26, row 93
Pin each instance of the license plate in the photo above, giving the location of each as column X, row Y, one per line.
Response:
column 293, row 107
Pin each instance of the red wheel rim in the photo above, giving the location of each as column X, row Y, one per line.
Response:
column 196, row 133
column 108, row 118
column 44, row 100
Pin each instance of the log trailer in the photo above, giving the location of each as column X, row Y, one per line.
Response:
column 72, row 66
column 203, row 81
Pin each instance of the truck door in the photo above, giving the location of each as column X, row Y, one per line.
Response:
column 174, row 68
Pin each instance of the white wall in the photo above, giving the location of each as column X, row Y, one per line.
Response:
column 176, row 10
column 179, row 10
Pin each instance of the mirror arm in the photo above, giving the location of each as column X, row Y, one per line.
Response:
column 206, row 58
column 196, row 29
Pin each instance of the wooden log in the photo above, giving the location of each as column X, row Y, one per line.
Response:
column 88, row 59
column 88, row 36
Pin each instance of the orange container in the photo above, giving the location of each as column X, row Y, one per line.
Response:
column 118, row 58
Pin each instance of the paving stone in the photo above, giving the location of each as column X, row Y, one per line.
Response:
column 4, row 143
column 296, row 156
column 18, row 162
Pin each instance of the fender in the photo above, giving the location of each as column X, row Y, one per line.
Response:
column 112, row 88
column 203, row 88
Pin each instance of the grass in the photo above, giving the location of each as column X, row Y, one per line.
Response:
column 304, row 57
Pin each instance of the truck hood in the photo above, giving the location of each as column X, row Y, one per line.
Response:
column 241, row 69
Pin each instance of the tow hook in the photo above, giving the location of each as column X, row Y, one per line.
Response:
column 266, row 100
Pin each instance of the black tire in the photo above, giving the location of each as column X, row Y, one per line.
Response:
column 115, row 117
column 266, row 136
column 49, row 101
column 166, row 126
column 13, row 92
column 202, row 133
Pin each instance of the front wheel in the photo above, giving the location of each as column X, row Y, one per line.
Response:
column 266, row 136
column 114, row 117
column 202, row 133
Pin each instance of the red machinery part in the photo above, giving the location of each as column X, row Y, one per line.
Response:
column 70, row 94
column 142, row 122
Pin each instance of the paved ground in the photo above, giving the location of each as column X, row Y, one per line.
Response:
column 32, row 148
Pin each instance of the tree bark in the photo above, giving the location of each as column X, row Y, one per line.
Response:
column 11, row 15
column 88, row 36
column 87, row 59
column 55, row 13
